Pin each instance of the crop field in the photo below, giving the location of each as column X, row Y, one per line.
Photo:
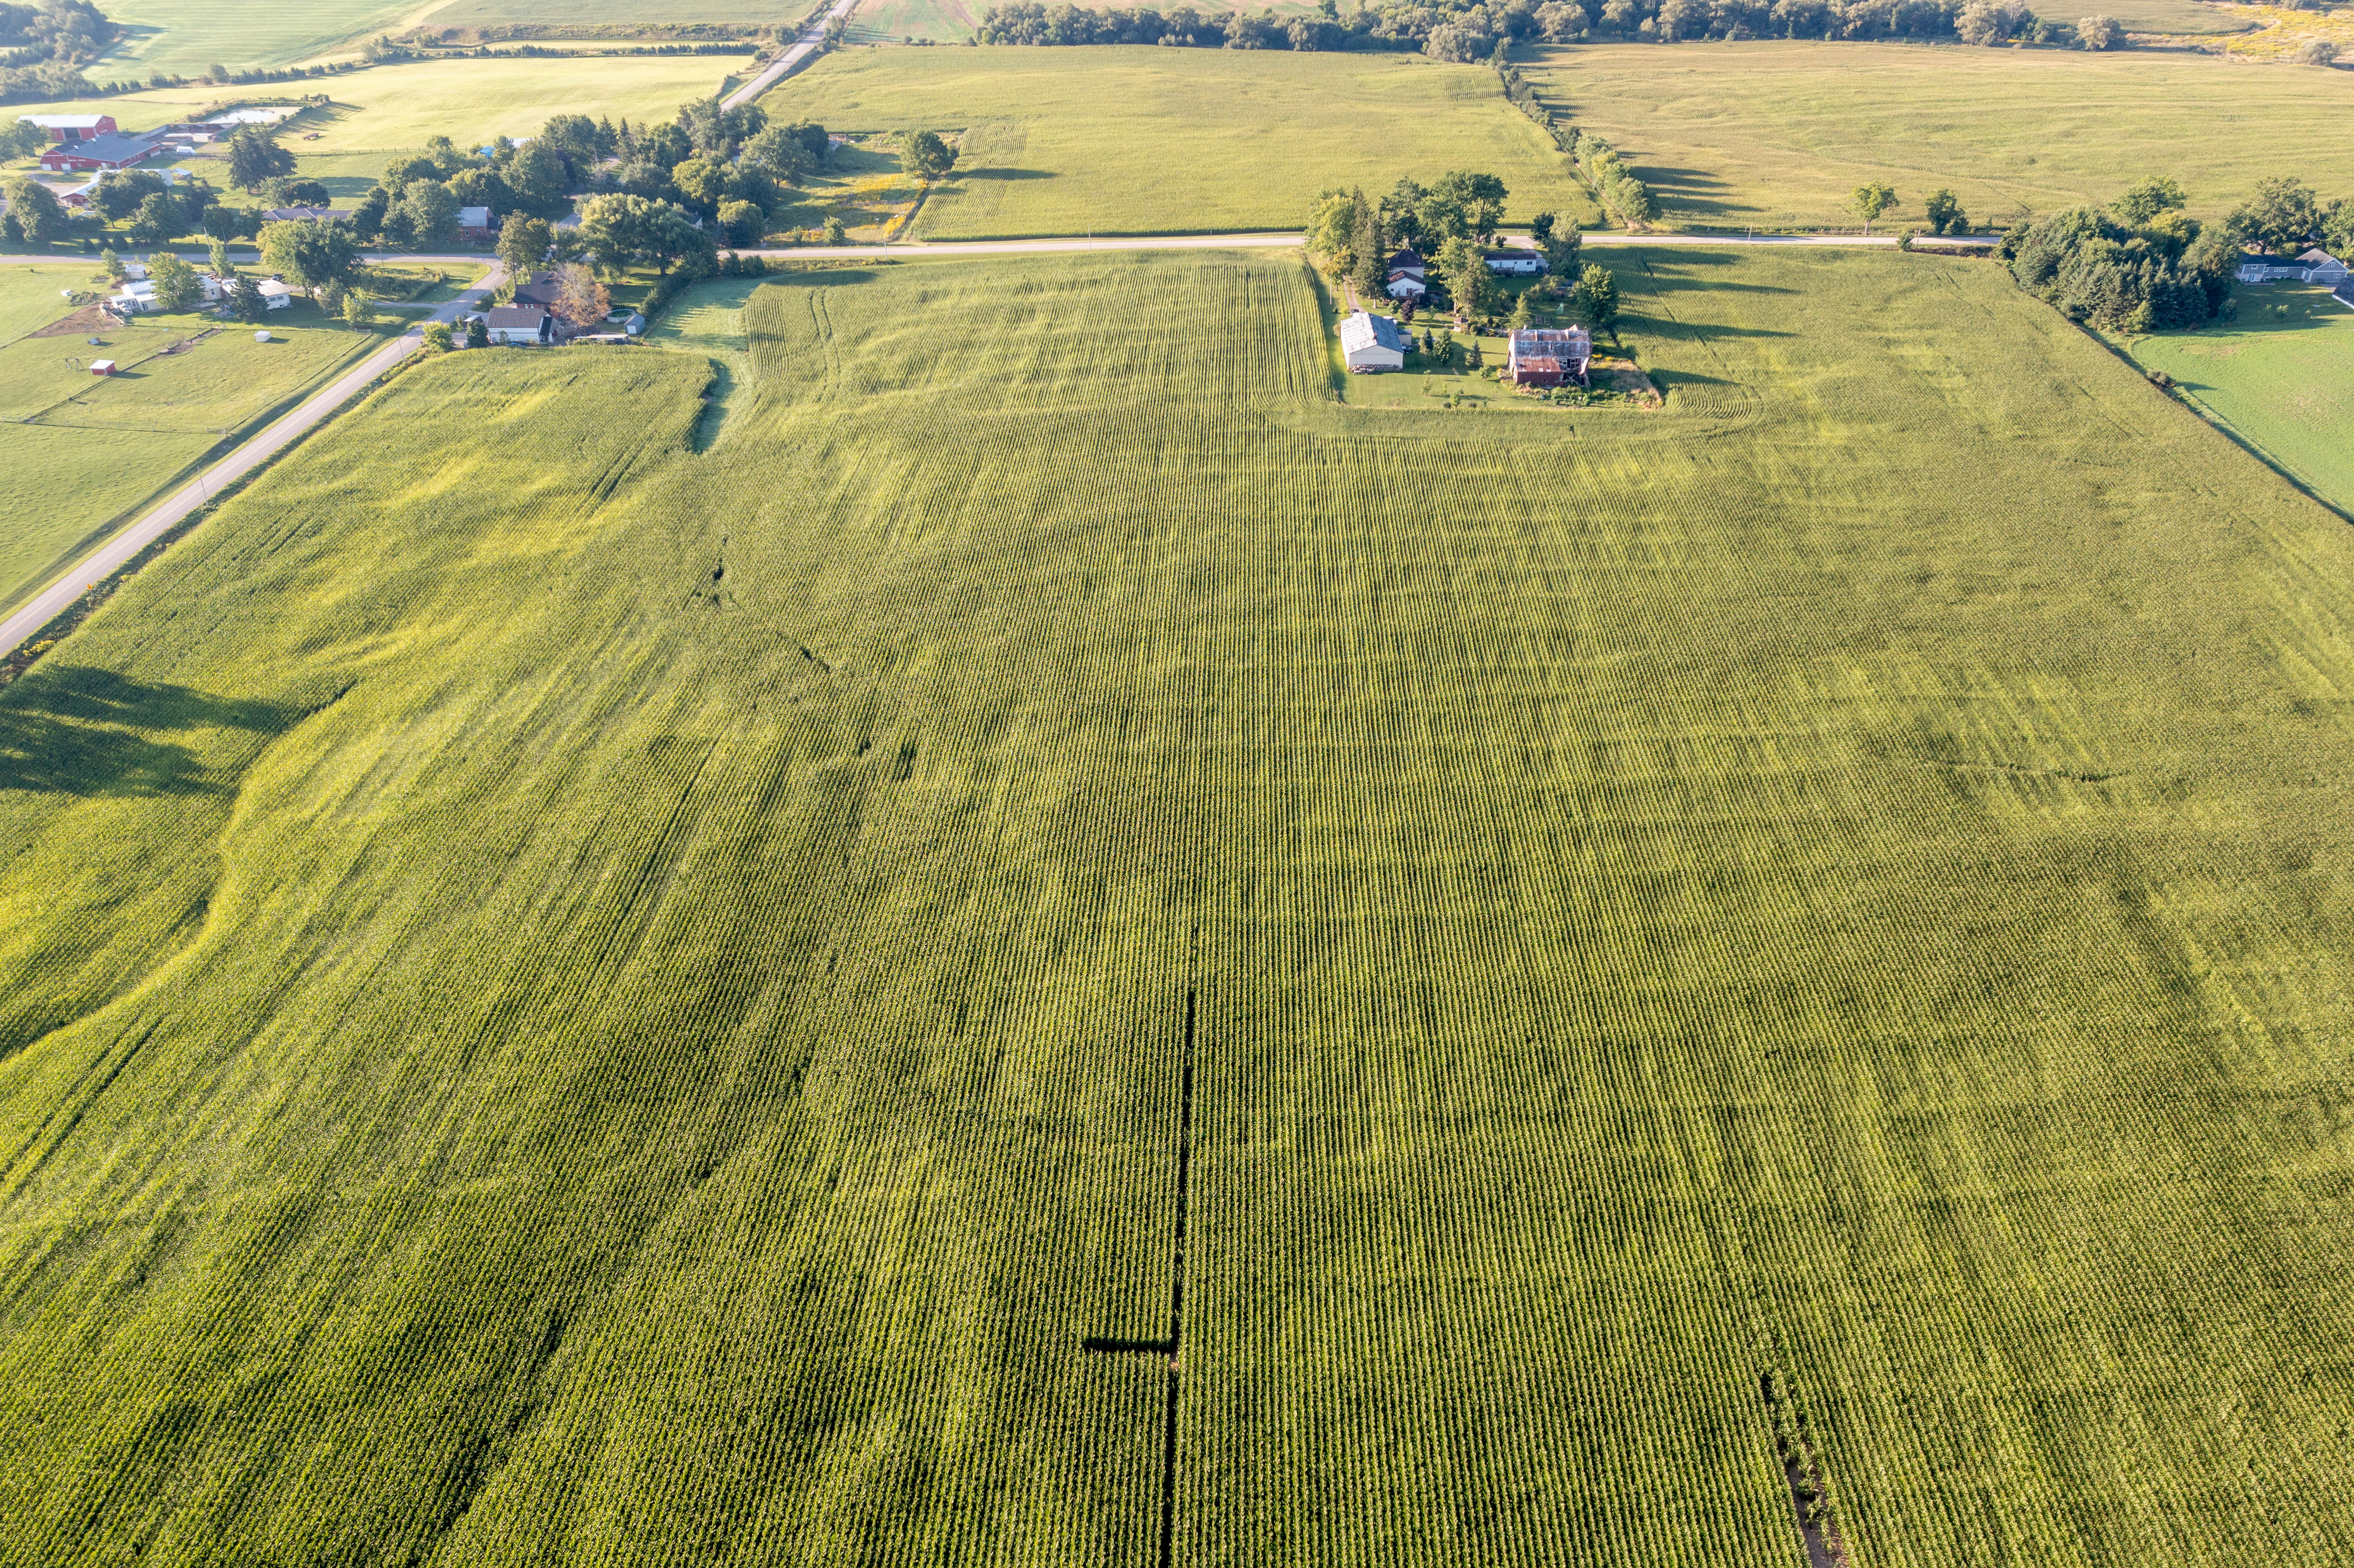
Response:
column 1046, row 957
column 392, row 109
column 941, row 21
column 182, row 38
column 1776, row 134
column 1118, row 141
column 2185, row 18
column 77, row 452
column 2281, row 373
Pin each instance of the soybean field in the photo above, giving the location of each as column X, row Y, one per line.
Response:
column 1009, row 952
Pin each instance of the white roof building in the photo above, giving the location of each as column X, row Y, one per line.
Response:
column 1369, row 342
column 473, row 218
column 263, row 115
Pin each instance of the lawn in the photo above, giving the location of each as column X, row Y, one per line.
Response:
column 78, row 452
column 2280, row 373
column 571, row 999
column 185, row 37
column 1119, row 141
column 1776, row 134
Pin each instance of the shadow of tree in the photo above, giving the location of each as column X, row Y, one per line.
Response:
column 76, row 730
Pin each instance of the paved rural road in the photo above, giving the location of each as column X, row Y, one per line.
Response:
column 52, row 602
column 785, row 64
column 1272, row 241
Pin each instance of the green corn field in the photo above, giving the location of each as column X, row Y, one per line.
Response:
column 1029, row 942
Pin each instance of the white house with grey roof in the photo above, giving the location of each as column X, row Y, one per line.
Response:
column 1370, row 343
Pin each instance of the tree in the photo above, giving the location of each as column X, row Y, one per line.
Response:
column 923, row 154
column 1332, row 226
column 1869, row 201
column 115, row 270
column 429, row 209
column 245, row 300
column 254, row 157
column 779, row 151
column 1560, row 247
column 229, row 222
column 1479, row 197
column 21, row 139
column 2100, row 33
column 158, row 220
column 478, row 333
column 835, row 234
column 1945, row 214
column 1469, row 283
column 2281, row 216
column 716, row 130
column 522, row 244
column 1595, row 299
column 119, row 195
column 2148, row 197
column 447, row 159
column 537, row 183
column 287, row 191
column 580, row 300
column 1368, row 248
column 35, row 215
column 221, row 267
column 618, row 229
column 742, row 222
column 1989, row 22
column 702, row 183
column 359, row 311
column 2316, row 51
column 314, row 252
column 1519, row 316
column 437, row 339
column 176, row 286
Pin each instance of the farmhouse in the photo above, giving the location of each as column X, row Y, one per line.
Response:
column 1407, row 275
column 114, row 151
column 73, row 127
column 474, row 225
column 275, row 295
column 1547, row 356
column 1371, row 343
column 1515, row 263
column 2314, row 266
column 522, row 324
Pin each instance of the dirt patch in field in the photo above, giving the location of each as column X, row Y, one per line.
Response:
column 84, row 323
column 1625, row 377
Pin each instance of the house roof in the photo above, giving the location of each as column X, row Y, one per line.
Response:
column 69, row 123
column 473, row 218
column 112, row 148
column 2317, row 257
column 529, row 317
column 302, row 215
column 1556, row 343
column 1365, row 330
column 1409, row 259
column 541, row 289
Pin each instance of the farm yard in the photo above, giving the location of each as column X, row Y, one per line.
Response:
column 1121, row 141
column 77, row 452
column 2281, row 374
column 1776, row 135
column 1136, row 955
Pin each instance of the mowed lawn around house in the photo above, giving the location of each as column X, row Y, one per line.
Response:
column 589, row 999
column 77, row 452
column 1778, row 135
column 1121, row 140
column 2280, row 373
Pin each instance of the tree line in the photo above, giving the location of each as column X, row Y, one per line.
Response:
column 2141, row 264
column 1472, row 30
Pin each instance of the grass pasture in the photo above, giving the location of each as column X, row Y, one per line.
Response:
column 1778, row 135
column 570, row 998
column 77, row 452
column 599, row 13
column 1157, row 141
column 2281, row 374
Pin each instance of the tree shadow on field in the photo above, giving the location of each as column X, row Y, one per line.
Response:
column 1681, row 189
column 76, row 730
column 1008, row 173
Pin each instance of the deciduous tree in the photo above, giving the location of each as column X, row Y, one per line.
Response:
column 177, row 286
column 1869, row 201
column 254, row 157
column 1595, row 299
column 923, row 154
column 35, row 215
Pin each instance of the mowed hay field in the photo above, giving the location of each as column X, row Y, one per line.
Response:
column 1778, row 135
column 2281, row 373
column 185, row 37
column 393, row 108
column 1145, row 141
column 77, row 452
column 570, row 998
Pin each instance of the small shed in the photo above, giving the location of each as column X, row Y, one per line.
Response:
column 101, row 367
column 1514, row 263
column 1371, row 343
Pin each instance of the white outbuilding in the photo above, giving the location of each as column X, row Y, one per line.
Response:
column 1370, row 343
